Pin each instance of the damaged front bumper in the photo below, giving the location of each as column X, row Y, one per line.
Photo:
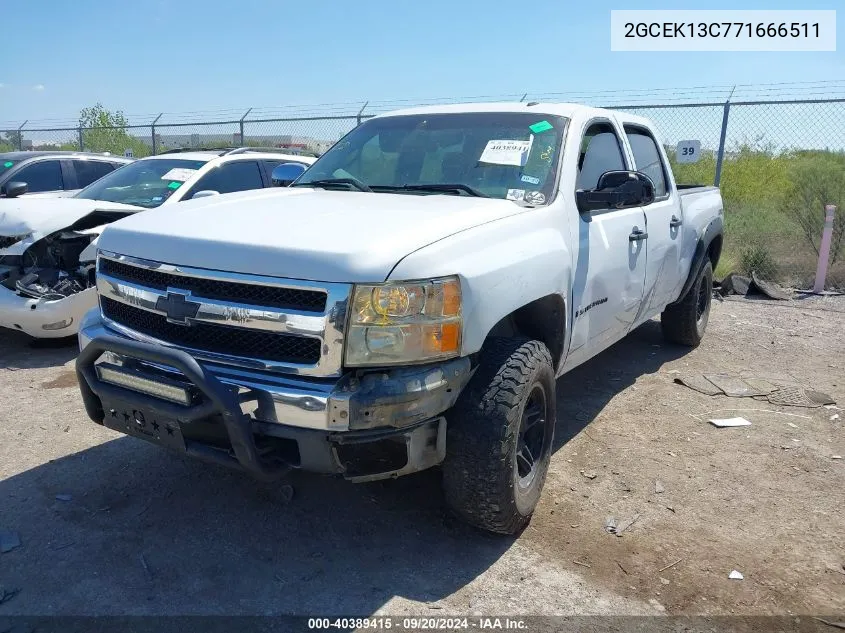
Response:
column 363, row 426
column 45, row 318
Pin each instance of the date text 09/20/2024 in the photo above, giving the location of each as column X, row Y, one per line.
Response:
column 418, row 624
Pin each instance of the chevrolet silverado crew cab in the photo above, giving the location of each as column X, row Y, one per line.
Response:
column 47, row 247
column 407, row 302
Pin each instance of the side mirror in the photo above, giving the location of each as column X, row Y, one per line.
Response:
column 205, row 193
column 284, row 174
column 616, row 190
column 14, row 189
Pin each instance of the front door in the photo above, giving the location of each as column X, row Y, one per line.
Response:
column 611, row 260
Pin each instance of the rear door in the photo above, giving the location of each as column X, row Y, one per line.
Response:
column 611, row 263
column 664, row 221
column 231, row 176
column 89, row 170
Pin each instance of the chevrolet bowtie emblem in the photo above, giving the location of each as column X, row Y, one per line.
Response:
column 177, row 308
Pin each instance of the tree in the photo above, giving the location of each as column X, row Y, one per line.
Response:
column 105, row 131
column 818, row 179
column 11, row 140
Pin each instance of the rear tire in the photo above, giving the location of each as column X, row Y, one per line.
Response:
column 500, row 435
column 684, row 323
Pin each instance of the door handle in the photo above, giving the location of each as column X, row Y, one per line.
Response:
column 637, row 235
column 675, row 222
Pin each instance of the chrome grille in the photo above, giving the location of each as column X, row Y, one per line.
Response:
column 250, row 294
column 249, row 321
column 220, row 339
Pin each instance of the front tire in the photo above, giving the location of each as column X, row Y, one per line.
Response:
column 684, row 323
column 500, row 435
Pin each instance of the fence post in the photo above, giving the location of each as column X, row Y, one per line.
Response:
column 153, row 133
column 241, row 122
column 824, row 248
column 361, row 112
column 20, row 135
column 81, row 143
column 721, row 155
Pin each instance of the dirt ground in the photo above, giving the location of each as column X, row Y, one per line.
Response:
column 112, row 525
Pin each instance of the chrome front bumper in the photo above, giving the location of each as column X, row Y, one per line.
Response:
column 389, row 399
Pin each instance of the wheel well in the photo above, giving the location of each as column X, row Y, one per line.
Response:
column 714, row 251
column 543, row 320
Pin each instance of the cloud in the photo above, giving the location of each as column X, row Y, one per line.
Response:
column 38, row 87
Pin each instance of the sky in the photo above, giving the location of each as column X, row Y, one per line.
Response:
column 181, row 56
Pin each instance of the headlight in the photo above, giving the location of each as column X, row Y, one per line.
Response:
column 407, row 322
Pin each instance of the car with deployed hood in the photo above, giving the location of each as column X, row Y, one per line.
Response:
column 47, row 245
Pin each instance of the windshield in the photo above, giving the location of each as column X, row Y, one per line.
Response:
column 144, row 183
column 510, row 155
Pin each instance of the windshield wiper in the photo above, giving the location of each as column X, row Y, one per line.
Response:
column 458, row 188
column 330, row 182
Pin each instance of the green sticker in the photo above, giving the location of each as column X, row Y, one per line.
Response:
column 541, row 126
column 174, row 185
column 8, row 164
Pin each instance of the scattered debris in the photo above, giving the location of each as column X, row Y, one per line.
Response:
column 664, row 581
column 286, row 491
column 64, row 497
column 835, row 416
column 836, row 456
column 145, row 566
column 770, row 289
column 624, row 525
column 589, row 475
column 757, row 388
column 730, row 422
column 610, row 525
column 9, row 540
column 734, row 284
column 575, row 525
column 735, row 575
column 7, row 594
column 792, row 424
column 434, row 606
column 578, row 562
column 662, row 569
column 799, row 397
column 700, row 384
column 735, row 387
column 659, row 487
column 625, row 571
column 671, row 509
column 61, row 547
column 836, row 625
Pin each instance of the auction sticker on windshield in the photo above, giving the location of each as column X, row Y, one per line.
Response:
column 179, row 173
column 507, row 152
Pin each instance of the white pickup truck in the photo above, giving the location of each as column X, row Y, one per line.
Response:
column 408, row 302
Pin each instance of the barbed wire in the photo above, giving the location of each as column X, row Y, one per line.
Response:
column 609, row 97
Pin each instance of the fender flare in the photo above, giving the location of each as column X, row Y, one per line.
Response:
column 714, row 229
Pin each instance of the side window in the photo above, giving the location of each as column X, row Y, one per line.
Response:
column 600, row 152
column 647, row 158
column 87, row 171
column 45, row 175
column 230, row 177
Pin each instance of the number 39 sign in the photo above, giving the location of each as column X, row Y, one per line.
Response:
column 688, row 151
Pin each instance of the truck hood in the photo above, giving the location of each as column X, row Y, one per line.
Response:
column 42, row 216
column 301, row 233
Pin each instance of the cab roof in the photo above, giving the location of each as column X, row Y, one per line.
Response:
column 568, row 110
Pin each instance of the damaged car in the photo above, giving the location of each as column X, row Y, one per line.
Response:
column 47, row 246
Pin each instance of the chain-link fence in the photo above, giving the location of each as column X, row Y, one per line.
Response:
column 778, row 164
